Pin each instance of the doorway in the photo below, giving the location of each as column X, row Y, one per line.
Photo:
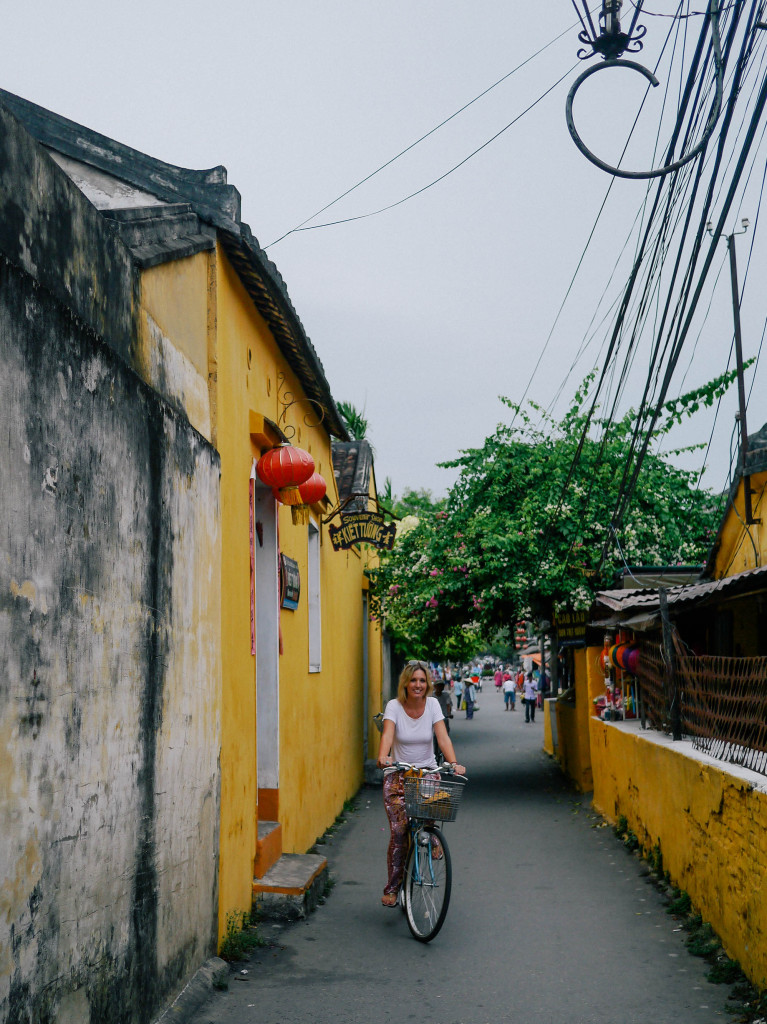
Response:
column 267, row 637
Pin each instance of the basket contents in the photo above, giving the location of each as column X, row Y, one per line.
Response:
column 432, row 799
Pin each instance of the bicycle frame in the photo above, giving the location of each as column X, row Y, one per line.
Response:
column 417, row 826
column 425, row 892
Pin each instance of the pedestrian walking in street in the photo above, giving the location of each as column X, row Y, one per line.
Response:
column 446, row 707
column 470, row 698
column 411, row 721
column 445, row 702
column 509, row 693
column 458, row 691
column 499, row 678
column 544, row 685
column 531, row 697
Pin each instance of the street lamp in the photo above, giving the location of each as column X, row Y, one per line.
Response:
column 610, row 42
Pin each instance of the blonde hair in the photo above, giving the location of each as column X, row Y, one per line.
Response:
column 407, row 674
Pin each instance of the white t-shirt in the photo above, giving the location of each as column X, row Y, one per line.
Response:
column 413, row 736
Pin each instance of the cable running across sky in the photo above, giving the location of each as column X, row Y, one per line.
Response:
column 407, row 149
column 681, row 296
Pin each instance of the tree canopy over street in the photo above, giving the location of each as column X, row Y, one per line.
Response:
column 528, row 528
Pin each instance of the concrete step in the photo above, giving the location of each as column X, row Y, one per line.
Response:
column 268, row 847
column 292, row 887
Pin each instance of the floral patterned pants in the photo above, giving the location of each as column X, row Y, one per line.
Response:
column 394, row 804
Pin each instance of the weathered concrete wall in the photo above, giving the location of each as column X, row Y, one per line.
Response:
column 50, row 230
column 710, row 823
column 109, row 635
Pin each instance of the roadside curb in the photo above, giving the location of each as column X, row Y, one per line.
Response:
column 214, row 973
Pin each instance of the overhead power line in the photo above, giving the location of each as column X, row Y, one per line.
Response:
column 420, row 191
column 423, row 138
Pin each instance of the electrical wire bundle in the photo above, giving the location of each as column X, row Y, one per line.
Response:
column 675, row 253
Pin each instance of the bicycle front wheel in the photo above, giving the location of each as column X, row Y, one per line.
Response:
column 428, row 877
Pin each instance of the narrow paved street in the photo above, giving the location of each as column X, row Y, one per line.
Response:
column 551, row 921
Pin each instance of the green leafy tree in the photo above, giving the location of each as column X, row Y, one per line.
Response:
column 355, row 421
column 416, row 503
column 420, row 602
column 523, row 531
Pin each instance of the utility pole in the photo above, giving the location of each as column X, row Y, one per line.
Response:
column 749, row 513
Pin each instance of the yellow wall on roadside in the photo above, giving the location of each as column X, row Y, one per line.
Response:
column 320, row 713
column 240, row 330
column 573, row 724
column 711, row 827
column 206, row 348
column 548, row 732
column 740, row 549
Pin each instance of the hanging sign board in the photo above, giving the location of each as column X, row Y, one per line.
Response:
column 363, row 528
column 290, row 583
column 571, row 625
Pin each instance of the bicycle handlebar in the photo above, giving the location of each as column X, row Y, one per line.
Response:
column 401, row 766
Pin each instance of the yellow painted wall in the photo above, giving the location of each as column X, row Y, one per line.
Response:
column 740, row 549
column 711, row 827
column 321, row 715
column 173, row 352
column 573, row 724
column 548, row 732
column 321, row 757
column 206, row 347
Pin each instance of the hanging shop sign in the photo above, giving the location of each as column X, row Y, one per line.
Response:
column 363, row 528
column 571, row 625
column 290, row 583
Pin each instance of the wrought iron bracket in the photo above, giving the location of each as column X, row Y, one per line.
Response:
column 616, row 61
column 610, row 42
column 353, row 497
column 287, row 400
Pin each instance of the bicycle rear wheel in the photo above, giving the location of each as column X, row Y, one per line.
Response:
column 428, row 878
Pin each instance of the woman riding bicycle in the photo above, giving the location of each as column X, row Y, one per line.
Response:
column 410, row 721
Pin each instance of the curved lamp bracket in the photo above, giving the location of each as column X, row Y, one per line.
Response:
column 287, row 401
column 635, row 66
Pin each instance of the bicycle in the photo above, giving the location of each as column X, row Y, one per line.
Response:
column 430, row 797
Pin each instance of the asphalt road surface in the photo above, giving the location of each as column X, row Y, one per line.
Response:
column 551, row 921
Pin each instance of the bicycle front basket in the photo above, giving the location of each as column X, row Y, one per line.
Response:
column 432, row 799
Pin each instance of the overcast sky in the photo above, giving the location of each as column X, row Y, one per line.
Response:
column 423, row 315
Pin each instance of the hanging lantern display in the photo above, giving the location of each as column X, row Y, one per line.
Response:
column 309, row 493
column 284, row 469
column 616, row 654
column 313, row 489
column 627, row 657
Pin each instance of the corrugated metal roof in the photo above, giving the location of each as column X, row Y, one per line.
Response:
column 627, row 600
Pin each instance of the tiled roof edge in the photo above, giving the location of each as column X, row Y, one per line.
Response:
column 214, row 201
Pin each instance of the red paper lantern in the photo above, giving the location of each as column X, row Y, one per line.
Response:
column 310, row 492
column 313, row 490
column 284, row 469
